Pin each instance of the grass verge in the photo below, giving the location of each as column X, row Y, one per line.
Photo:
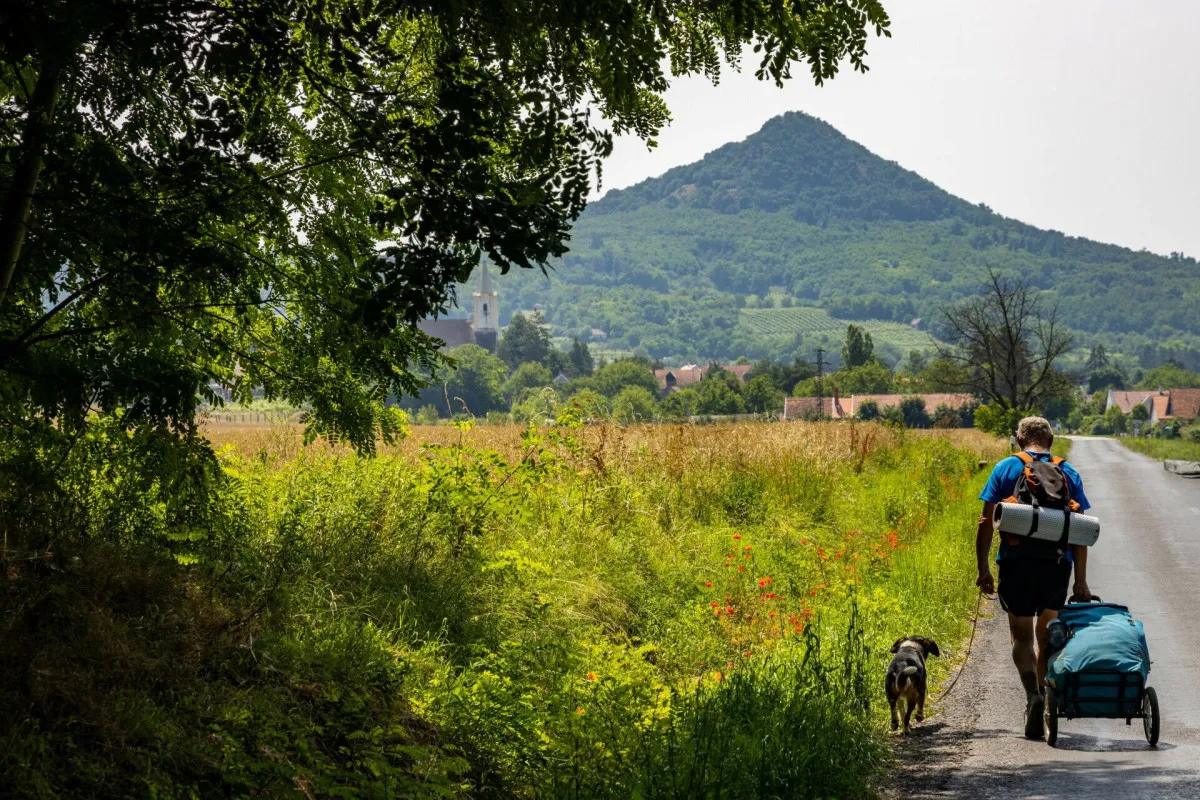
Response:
column 1163, row 449
column 657, row 611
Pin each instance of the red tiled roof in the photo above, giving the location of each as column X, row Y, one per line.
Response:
column 1185, row 403
column 686, row 376
column 737, row 369
column 932, row 401
column 808, row 407
column 1127, row 400
column 1162, row 406
column 680, row 376
column 845, row 407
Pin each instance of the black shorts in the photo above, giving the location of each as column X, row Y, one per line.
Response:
column 1029, row 586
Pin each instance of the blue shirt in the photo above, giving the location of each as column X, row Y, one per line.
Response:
column 1004, row 480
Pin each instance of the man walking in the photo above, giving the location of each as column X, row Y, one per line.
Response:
column 1034, row 575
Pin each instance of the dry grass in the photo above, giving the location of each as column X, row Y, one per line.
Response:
column 757, row 442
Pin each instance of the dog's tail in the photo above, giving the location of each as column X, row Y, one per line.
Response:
column 897, row 680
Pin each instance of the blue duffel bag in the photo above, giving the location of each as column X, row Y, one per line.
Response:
column 1102, row 669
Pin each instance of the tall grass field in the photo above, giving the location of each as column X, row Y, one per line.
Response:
column 489, row 612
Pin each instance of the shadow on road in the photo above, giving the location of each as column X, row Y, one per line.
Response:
column 932, row 767
column 1052, row 779
column 1094, row 744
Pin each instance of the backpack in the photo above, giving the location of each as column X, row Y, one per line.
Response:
column 1041, row 484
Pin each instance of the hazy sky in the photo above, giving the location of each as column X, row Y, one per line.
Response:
column 1078, row 115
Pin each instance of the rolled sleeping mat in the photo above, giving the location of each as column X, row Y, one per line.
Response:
column 1046, row 524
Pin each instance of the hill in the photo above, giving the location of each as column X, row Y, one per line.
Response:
column 798, row 216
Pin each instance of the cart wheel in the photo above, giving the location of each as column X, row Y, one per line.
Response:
column 1050, row 717
column 1150, row 718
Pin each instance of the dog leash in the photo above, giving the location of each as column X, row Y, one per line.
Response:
column 970, row 642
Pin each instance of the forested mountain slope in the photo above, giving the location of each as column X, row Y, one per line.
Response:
column 799, row 215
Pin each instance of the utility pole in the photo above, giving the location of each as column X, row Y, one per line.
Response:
column 820, row 383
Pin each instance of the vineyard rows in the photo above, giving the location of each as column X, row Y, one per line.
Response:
column 816, row 321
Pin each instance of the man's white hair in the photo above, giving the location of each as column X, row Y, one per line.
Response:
column 1035, row 430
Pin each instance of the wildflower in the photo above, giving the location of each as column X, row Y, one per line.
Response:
column 799, row 629
column 741, row 569
column 737, row 537
column 591, row 676
column 746, row 654
column 731, row 555
column 714, row 604
column 748, row 548
column 804, row 541
column 747, row 555
column 813, row 593
column 729, row 609
column 729, row 665
column 578, row 709
column 708, row 584
column 772, row 614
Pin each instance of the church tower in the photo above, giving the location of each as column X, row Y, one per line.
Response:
column 486, row 319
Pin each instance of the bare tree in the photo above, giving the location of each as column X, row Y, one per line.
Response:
column 1005, row 344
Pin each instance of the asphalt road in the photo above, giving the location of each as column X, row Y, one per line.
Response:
column 1148, row 558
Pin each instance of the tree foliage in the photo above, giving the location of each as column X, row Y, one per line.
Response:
column 524, row 341
column 858, row 349
column 580, row 358
column 634, row 404
column 617, row 375
column 476, row 386
column 268, row 195
column 530, row 375
column 867, row 411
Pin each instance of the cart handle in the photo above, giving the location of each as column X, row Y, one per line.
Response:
column 1095, row 599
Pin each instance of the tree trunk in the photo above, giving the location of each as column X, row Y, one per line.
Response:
column 14, row 217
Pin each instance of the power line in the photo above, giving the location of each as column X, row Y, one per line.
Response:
column 820, row 383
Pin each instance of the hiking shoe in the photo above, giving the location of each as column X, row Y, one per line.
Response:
column 1033, row 716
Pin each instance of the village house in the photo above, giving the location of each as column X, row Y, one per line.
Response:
column 838, row 407
column 682, row 377
column 1161, row 405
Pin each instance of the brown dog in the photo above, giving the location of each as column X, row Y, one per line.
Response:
column 906, row 677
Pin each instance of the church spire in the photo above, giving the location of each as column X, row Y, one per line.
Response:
column 485, row 279
column 487, row 303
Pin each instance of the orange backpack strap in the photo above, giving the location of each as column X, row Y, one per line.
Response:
column 1057, row 460
column 1025, row 457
